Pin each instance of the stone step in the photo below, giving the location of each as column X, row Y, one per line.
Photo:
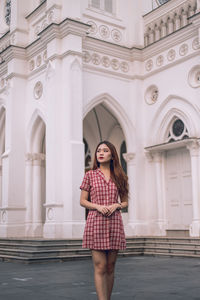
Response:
column 39, row 250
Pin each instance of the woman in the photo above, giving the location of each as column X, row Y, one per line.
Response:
column 104, row 232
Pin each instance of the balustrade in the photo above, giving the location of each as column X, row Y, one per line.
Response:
column 159, row 23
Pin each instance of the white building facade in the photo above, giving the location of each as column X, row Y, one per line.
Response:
column 75, row 72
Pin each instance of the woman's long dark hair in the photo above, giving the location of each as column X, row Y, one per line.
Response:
column 116, row 172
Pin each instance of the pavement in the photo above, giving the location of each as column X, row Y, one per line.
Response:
column 138, row 278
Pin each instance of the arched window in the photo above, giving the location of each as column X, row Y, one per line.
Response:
column 104, row 5
column 122, row 160
column 87, row 155
column 177, row 131
column 7, row 11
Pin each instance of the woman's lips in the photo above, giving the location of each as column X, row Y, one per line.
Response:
column 100, row 157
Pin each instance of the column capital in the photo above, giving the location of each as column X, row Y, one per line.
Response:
column 194, row 148
column 154, row 156
column 35, row 158
column 129, row 157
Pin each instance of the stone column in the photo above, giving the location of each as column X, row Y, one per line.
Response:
column 132, row 205
column 28, row 194
column 194, row 149
column 157, row 160
column 38, row 194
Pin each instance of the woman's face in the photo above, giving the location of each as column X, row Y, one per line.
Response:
column 103, row 154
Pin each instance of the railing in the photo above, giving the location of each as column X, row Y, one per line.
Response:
column 167, row 19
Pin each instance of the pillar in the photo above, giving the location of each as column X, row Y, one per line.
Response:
column 158, row 163
column 132, row 226
column 194, row 149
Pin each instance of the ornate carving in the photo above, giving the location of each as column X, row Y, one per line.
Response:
column 38, row 60
column 104, row 31
column 51, row 16
column 116, row 35
column 195, row 44
column 160, row 60
column 151, row 94
column 86, row 56
column 93, row 29
column 31, row 65
column 194, row 76
column 45, row 56
column 96, row 59
column 38, row 90
column 124, row 66
column 129, row 157
column 194, row 148
column 50, row 214
column 4, row 216
column 149, row 65
column 50, row 71
column 105, row 61
column 171, row 55
column 183, row 49
column 115, row 64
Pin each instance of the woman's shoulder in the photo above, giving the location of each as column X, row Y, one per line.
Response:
column 91, row 173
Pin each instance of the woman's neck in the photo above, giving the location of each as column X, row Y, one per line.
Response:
column 105, row 167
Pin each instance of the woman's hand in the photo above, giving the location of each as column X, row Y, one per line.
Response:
column 112, row 208
column 103, row 209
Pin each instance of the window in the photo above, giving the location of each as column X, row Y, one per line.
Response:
column 87, row 155
column 177, row 131
column 105, row 5
column 123, row 162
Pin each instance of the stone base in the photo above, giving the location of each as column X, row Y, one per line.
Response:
column 145, row 229
column 195, row 229
column 73, row 229
column 12, row 231
column 135, row 229
column 52, row 230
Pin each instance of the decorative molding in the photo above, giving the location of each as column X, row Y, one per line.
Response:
column 38, row 90
column 35, row 157
column 194, row 77
column 105, row 31
column 151, row 94
column 105, row 61
column 168, row 19
column 194, row 148
column 129, row 157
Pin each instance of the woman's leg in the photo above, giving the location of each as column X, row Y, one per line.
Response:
column 100, row 276
column 111, row 260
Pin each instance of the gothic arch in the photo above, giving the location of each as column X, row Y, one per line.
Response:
column 173, row 107
column 36, row 132
column 119, row 113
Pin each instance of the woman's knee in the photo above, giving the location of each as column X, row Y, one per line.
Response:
column 100, row 268
column 110, row 268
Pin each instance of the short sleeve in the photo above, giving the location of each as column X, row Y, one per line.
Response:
column 85, row 183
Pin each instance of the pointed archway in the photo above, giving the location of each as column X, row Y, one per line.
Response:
column 36, row 176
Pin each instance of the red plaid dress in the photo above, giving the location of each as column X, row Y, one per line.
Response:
column 102, row 232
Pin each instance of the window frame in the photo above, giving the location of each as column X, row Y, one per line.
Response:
column 102, row 8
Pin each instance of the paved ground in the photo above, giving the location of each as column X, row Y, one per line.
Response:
column 138, row 278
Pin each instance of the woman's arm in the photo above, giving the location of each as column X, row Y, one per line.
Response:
column 84, row 201
column 87, row 204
